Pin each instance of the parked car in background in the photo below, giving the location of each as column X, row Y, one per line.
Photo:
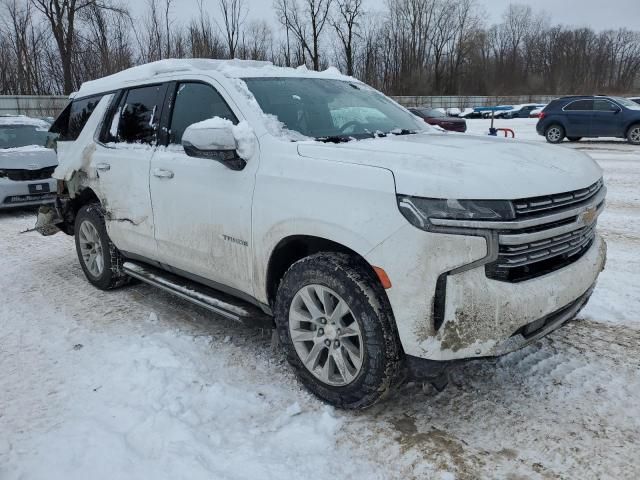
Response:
column 577, row 117
column 519, row 111
column 26, row 164
column 252, row 194
column 536, row 112
column 635, row 99
column 453, row 111
column 435, row 117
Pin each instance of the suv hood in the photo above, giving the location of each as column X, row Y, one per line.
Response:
column 440, row 165
column 27, row 158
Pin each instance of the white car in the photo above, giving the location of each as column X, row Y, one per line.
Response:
column 310, row 202
column 26, row 164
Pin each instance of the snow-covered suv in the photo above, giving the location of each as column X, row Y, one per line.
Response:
column 310, row 202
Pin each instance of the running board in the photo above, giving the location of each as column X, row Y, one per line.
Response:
column 217, row 302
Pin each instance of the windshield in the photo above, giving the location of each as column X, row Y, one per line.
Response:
column 328, row 109
column 625, row 102
column 433, row 113
column 16, row 136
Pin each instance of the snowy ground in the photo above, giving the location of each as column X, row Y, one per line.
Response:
column 136, row 384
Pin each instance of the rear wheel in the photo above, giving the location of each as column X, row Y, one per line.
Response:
column 554, row 134
column 574, row 139
column 633, row 135
column 99, row 258
column 336, row 327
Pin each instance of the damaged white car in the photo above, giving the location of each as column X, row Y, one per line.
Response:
column 308, row 201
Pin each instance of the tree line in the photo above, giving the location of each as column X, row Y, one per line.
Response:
column 410, row 47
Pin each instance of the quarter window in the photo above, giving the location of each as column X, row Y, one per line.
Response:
column 194, row 103
column 580, row 106
column 604, row 106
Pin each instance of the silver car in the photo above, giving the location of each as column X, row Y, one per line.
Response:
column 26, row 164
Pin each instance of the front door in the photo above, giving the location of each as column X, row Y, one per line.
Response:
column 201, row 208
column 122, row 159
column 606, row 120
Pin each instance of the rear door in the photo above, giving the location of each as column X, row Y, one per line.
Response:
column 122, row 159
column 577, row 115
column 202, row 209
column 607, row 119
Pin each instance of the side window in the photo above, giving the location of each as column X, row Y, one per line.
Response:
column 604, row 106
column 80, row 112
column 137, row 118
column 195, row 102
column 580, row 106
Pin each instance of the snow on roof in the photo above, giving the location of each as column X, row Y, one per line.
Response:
column 230, row 68
column 23, row 120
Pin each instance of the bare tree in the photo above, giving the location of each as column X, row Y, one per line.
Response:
column 234, row 14
column 346, row 24
column 305, row 24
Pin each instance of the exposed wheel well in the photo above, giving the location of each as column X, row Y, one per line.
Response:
column 73, row 205
column 294, row 248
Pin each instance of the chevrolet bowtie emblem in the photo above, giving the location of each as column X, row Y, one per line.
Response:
column 589, row 216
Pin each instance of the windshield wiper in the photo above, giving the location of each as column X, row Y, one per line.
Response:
column 403, row 131
column 335, row 139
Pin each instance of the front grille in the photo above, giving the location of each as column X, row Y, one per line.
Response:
column 517, row 263
column 21, row 175
column 547, row 204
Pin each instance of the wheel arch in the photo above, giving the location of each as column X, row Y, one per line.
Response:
column 296, row 247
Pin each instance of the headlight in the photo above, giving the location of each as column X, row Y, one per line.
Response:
column 420, row 210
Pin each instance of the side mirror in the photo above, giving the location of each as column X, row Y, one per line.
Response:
column 214, row 141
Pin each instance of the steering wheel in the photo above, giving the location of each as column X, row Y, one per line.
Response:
column 352, row 123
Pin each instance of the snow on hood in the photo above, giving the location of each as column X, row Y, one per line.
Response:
column 32, row 157
column 439, row 165
column 24, row 120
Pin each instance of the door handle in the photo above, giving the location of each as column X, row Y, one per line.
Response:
column 103, row 167
column 162, row 173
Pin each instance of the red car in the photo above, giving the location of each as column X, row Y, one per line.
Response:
column 435, row 117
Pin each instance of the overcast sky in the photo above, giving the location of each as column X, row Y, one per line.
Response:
column 598, row 14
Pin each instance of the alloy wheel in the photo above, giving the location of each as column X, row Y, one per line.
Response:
column 326, row 335
column 91, row 248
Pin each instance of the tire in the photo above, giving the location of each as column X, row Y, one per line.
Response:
column 99, row 258
column 633, row 134
column 574, row 139
column 554, row 133
column 378, row 365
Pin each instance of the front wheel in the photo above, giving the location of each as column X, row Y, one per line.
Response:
column 633, row 135
column 99, row 258
column 554, row 134
column 337, row 330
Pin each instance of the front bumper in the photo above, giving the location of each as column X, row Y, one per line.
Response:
column 482, row 317
column 15, row 194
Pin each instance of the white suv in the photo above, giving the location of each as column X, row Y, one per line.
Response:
column 309, row 201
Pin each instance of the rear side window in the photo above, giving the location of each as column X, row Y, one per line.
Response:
column 136, row 120
column 194, row 103
column 80, row 112
column 604, row 106
column 580, row 106
column 74, row 117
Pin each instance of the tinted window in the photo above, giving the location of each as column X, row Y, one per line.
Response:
column 194, row 103
column 580, row 105
column 136, row 121
column 80, row 112
column 604, row 106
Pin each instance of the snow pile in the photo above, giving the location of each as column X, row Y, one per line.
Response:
column 25, row 149
column 74, row 156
